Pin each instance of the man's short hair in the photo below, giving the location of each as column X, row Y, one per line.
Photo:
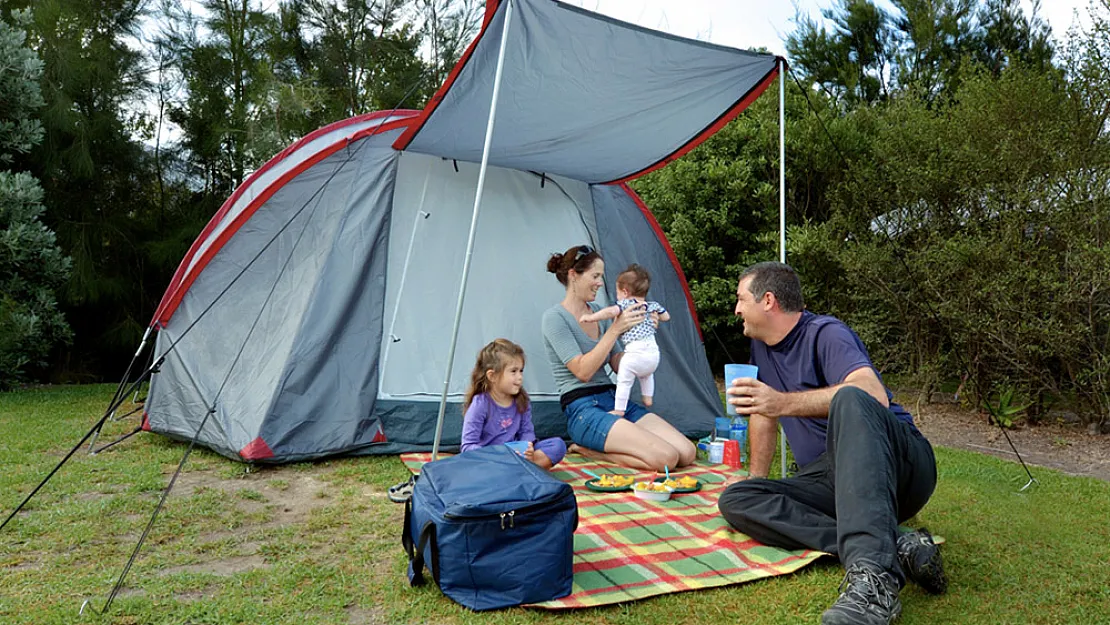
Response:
column 777, row 278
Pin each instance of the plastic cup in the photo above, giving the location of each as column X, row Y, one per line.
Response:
column 716, row 452
column 734, row 371
column 731, row 455
column 518, row 446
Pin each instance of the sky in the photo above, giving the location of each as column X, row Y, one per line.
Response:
column 762, row 23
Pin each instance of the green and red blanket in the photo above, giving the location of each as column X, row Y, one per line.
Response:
column 628, row 548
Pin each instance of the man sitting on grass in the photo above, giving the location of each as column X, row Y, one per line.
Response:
column 865, row 467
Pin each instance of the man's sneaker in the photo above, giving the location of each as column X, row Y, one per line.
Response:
column 868, row 596
column 920, row 559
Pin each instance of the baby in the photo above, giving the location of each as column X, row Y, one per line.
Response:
column 641, row 353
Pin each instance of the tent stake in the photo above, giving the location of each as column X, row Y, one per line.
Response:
column 473, row 226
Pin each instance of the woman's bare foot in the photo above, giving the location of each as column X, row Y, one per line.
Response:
column 574, row 449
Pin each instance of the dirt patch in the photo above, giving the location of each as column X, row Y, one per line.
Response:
column 1062, row 446
column 363, row 616
column 223, row 567
column 290, row 499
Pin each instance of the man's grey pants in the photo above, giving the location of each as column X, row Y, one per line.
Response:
column 876, row 472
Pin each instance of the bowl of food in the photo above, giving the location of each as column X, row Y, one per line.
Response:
column 652, row 491
column 684, row 484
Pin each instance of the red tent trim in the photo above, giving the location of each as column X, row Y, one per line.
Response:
column 256, row 450
column 180, row 283
column 403, row 141
column 650, row 217
column 712, row 129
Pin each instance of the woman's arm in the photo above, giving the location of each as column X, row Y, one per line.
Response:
column 586, row 365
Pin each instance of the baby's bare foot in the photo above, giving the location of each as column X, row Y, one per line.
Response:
column 619, row 413
column 647, row 401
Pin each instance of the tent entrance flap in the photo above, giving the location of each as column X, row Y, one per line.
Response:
column 521, row 224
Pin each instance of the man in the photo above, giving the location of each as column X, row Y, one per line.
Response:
column 864, row 466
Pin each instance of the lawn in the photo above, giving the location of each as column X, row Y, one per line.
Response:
column 319, row 543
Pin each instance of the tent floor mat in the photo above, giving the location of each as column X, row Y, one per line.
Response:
column 627, row 548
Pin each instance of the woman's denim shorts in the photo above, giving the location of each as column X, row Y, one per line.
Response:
column 589, row 420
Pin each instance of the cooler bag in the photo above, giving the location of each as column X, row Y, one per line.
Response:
column 494, row 529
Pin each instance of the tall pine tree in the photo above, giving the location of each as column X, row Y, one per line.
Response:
column 31, row 264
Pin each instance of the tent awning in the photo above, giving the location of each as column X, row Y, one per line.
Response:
column 586, row 96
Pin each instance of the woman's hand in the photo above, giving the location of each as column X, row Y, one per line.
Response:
column 628, row 319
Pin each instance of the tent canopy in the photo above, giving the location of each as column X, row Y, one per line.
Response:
column 586, row 96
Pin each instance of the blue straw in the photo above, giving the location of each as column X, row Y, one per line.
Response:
column 591, row 473
column 667, row 471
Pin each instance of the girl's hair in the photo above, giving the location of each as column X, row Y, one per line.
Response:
column 496, row 355
column 578, row 258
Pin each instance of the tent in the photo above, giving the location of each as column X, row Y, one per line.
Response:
column 319, row 310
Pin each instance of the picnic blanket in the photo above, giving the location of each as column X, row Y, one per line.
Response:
column 628, row 548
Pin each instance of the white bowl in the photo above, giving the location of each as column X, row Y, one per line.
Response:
column 652, row 495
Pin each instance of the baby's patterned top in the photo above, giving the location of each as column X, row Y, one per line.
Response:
column 645, row 329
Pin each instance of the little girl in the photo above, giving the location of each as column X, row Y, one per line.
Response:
column 496, row 408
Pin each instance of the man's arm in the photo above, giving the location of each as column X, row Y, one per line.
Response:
column 763, row 433
column 750, row 396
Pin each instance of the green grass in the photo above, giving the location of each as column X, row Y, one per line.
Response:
column 229, row 548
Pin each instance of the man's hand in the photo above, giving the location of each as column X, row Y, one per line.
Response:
column 750, row 396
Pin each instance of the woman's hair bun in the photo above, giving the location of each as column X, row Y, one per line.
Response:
column 555, row 263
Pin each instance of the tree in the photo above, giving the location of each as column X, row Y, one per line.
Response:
column 363, row 54
column 99, row 181
column 31, row 264
column 869, row 54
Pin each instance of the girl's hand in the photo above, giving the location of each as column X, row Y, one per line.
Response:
column 530, row 453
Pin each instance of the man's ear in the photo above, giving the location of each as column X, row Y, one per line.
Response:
column 770, row 302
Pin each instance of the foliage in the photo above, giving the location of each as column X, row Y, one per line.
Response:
column 32, row 266
column 871, row 54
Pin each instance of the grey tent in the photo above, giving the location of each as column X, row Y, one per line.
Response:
column 314, row 314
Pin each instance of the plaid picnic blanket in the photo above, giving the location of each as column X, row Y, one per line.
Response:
column 628, row 548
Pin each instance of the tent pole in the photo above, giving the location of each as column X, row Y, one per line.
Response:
column 473, row 225
column 782, row 208
column 390, row 338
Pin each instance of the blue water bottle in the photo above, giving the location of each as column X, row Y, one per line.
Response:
column 738, row 431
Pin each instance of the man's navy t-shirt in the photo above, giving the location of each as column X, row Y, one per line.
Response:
column 819, row 352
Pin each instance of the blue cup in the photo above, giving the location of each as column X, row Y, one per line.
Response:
column 518, row 446
column 740, row 371
column 733, row 371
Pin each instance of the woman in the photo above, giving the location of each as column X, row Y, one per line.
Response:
column 578, row 353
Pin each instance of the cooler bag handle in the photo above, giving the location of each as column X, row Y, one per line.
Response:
column 416, row 552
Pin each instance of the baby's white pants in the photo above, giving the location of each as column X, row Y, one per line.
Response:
column 639, row 362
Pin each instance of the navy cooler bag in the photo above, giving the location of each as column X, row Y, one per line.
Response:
column 494, row 529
